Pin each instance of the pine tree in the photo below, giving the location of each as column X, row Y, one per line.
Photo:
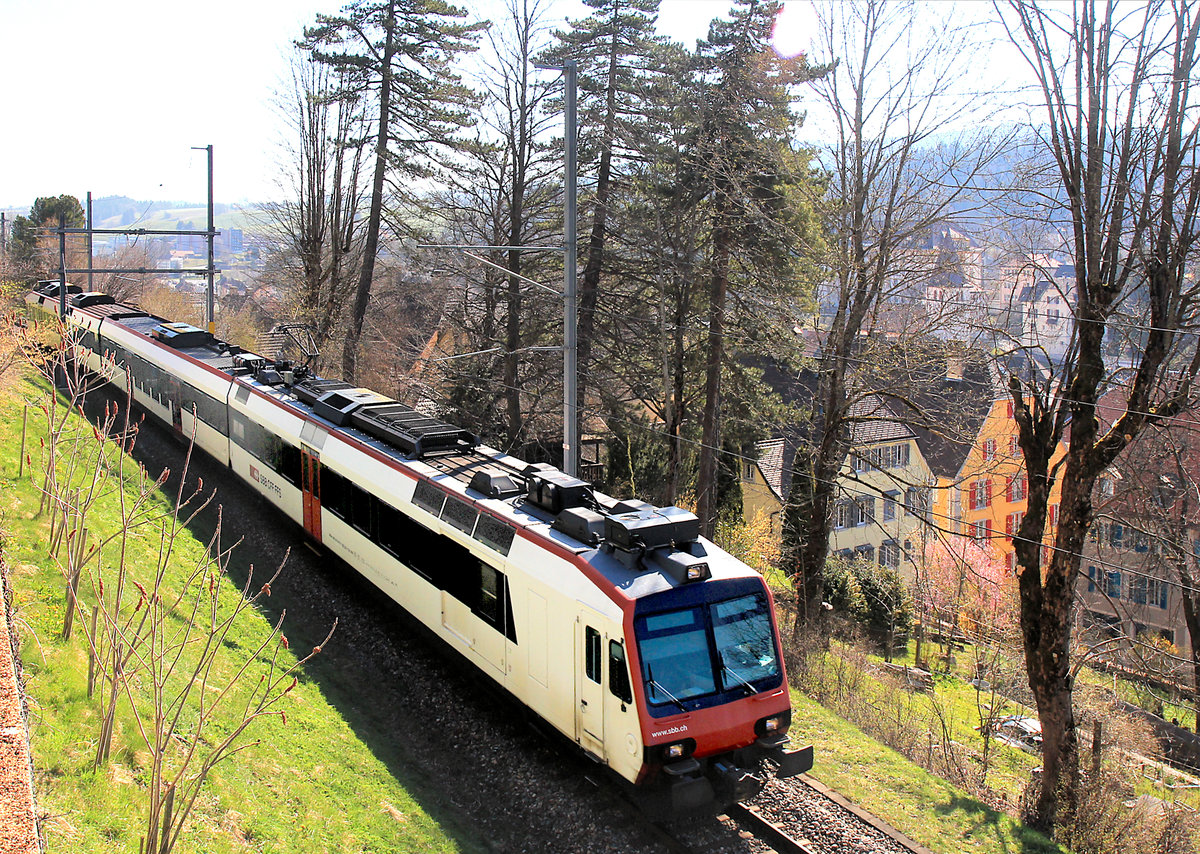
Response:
column 744, row 162
column 399, row 53
column 618, row 56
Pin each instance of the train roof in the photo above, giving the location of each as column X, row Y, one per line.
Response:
column 636, row 548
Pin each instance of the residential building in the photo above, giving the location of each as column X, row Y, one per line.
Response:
column 969, row 437
column 1142, row 553
column 882, row 488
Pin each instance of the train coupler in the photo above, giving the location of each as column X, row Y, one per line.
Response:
column 790, row 762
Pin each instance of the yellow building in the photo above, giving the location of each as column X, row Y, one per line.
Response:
column 982, row 490
column 882, row 491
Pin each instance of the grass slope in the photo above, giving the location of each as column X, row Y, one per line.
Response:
column 921, row 805
column 310, row 785
column 314, row 784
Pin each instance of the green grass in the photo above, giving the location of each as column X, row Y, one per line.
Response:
column 916, row 802
column 313, row 784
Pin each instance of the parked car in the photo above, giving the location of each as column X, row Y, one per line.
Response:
column 1019, row 731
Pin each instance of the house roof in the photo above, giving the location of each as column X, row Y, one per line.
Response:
column 949, row 408
column 770, row 462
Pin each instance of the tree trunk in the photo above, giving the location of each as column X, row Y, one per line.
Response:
column 362, row 294
column 710, row 440
column 589, row 286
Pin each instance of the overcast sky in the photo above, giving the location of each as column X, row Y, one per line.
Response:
column 110, row 97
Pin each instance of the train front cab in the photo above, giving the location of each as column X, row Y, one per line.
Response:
column 713, row 691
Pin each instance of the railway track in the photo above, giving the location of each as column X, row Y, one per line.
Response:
column 752, row 820
column 781, row 821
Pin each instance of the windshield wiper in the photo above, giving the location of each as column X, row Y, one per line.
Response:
column 653, row 683
column 725, row 668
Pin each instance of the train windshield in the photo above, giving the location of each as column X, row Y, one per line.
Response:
column 708, row 650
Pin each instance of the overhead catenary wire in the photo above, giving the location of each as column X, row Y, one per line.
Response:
column 930, row 513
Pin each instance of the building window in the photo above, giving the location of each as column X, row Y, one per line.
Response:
column 980, row 494
column 982, row 529
column 889, row 505
column 747, row 470
column 1113, row 585
column 1138, row 589
column 1053, row 516
column 989, row 450
column 1017, row 488
column 1014, row 445
column 841, row 514
column 1012, row 523
column 889, row 554
column 1091, row 579
column 866, row 510
column 917, row 500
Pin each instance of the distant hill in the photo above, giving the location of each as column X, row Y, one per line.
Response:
column 124, row 212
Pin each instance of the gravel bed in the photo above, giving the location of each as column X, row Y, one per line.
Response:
column 803, row 813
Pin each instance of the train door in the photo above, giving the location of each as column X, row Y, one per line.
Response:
column 589, row 685
column 310, row 487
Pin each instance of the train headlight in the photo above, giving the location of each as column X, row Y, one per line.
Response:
column 677, row 750
column 698, row 572
column 773, row 725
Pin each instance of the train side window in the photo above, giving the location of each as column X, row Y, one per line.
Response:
column 289, row 463
column 333, row 493
column 618, row 673
column 489, row 593
column 592, row 661
column 360, row 509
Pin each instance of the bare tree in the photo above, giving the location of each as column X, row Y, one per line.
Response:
column 397, row 54
column 1115, row 82
column 320, row 225
column 507, row 194
column 900, row 163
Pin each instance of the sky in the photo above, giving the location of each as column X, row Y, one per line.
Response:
column 112, row 97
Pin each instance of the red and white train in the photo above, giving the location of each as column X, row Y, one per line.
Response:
column 652, row 649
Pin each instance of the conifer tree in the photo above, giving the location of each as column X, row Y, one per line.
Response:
column 619, row 64
column 743, row 163
column 398, row 53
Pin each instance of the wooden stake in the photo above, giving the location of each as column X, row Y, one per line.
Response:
column 92, row 653
column 24, row 429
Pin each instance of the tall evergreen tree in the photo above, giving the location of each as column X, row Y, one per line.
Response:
column 618, row 56
column 398, row 53
column 45, row 213
column 743, row 160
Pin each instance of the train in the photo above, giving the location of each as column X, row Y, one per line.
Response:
column 652, row 650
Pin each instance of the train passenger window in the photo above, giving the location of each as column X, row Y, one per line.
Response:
column 592, row 661
column 360, row 509
column 289, row 462
column 391, row 527
column 618, row 672
column 489, row 593
column 333, row 493
column 492, row 532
